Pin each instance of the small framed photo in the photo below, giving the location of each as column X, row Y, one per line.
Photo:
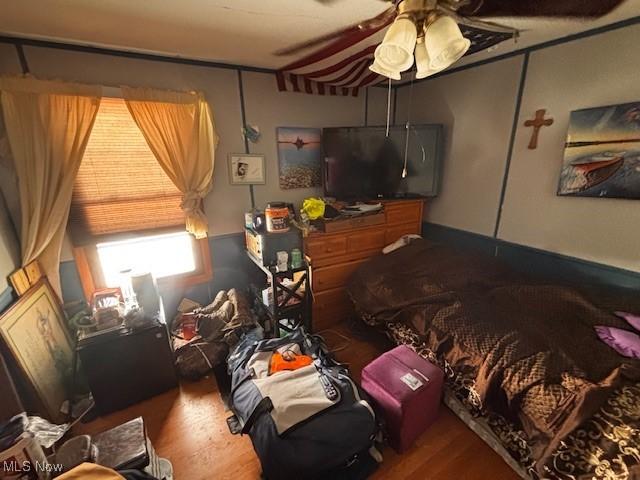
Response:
column 34, row 272
column 20, row 281
column 245, row 169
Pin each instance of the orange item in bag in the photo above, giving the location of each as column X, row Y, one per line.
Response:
column 279, row 364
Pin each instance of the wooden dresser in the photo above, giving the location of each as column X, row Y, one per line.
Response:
column 335, row 256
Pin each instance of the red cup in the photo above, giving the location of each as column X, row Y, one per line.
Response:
column 188, row 326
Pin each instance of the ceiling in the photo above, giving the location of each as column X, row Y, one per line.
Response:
column 243, row 32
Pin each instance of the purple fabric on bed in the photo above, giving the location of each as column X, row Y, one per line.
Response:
column 624, row 342
column 632, row 319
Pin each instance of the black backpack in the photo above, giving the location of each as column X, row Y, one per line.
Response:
column 335, row 442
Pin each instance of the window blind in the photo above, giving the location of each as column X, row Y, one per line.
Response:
column 120, row 186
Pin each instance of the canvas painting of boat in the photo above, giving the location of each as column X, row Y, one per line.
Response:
column 299, row 157
column 602, row 153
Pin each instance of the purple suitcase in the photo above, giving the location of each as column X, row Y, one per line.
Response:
column 407, row 389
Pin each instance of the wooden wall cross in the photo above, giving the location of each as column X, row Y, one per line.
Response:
column 537, row 123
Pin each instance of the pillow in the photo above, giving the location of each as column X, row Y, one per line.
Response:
column 624, row 342
column 633, row 320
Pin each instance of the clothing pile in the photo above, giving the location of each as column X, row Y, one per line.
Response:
column 219, row 327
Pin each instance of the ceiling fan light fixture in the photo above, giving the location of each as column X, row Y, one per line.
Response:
column 380, row 70
column 396, row 50
column 444, row 42
column 423, row 61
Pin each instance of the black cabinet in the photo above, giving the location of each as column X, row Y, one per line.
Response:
column 126, row 366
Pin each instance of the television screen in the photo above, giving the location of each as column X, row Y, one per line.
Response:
column 362, row 163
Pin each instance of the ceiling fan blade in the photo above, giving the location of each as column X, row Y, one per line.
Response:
column 371, row 24
column 538, row 8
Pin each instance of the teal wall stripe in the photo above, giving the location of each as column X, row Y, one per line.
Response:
column 6, row 298
column 537, row 262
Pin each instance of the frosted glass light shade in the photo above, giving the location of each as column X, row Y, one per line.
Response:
column 396, row 50
column 445, row 43
column 423, row 61
column 380, row 70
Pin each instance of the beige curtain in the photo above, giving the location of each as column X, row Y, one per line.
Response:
column 179, row 129
column 48, row 125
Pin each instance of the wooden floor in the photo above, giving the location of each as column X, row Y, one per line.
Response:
column 188, row 427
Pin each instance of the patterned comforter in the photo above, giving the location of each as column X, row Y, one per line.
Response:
column 523, row 355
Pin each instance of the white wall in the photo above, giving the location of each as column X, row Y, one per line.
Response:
column 596, row 71
column 264, row 106
column 477, row 107
column 269, row 109
column 377, row 112
column 9, row 63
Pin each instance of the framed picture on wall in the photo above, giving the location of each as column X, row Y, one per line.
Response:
column 602, row 153
column 35, row 333
column 246, row 169
column 299, row 157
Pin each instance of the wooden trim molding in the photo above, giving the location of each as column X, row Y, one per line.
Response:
column 84, row 271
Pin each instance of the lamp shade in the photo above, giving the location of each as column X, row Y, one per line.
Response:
column 396, row 50
column 445, row 43
column 380, row 70
column 423, row 61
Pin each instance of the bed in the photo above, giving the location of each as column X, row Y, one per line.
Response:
column 524, row 366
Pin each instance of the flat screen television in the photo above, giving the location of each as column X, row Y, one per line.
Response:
column 362, row 163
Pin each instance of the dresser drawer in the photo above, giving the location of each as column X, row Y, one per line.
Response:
column 394, row 233
column 331, row 307
column 324, row 247
column 326, row 278
column 366, row 240
column 404, row 213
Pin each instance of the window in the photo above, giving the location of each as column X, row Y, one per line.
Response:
column 143, row 254
column 125, row 212
column 120, row 186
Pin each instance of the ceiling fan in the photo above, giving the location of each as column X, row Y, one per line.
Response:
column 429, row 29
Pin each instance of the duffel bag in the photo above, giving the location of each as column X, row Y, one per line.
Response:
column 313, row 422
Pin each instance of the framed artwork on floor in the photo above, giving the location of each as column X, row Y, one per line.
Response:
column 35, row 334
column 602, row 153
column 299, row 157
